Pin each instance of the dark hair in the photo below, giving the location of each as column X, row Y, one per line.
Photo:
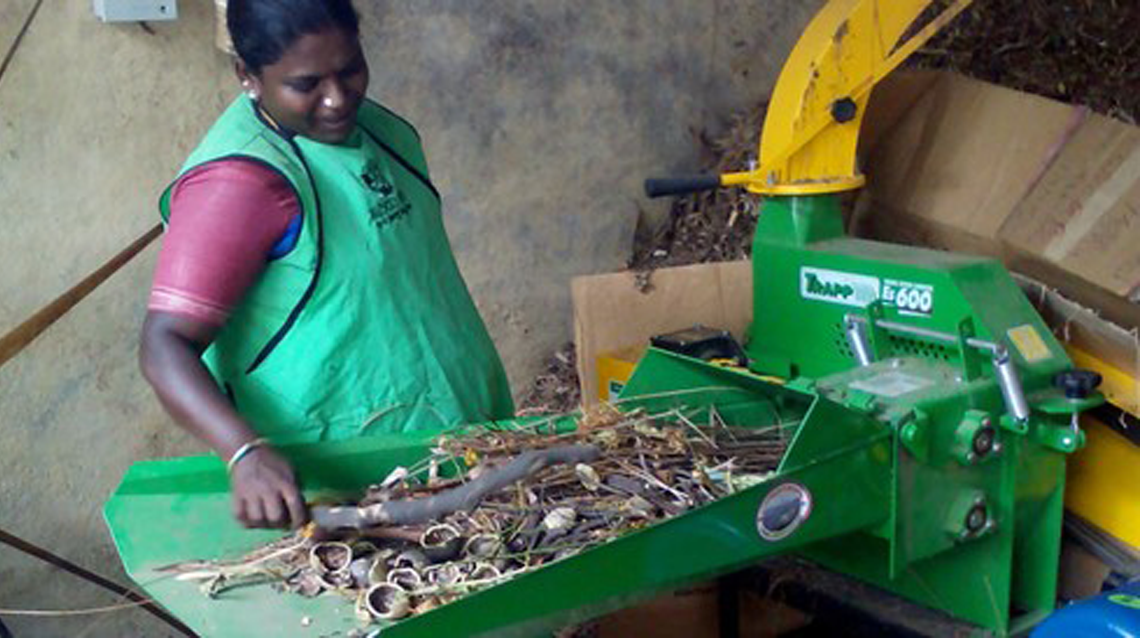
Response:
column 263, row 29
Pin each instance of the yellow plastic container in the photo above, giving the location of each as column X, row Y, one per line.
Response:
column 614, row 370
column 1102, row 482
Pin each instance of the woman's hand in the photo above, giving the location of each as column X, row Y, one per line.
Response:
column 265, row 492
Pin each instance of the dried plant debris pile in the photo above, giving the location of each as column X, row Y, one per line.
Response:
column 1080, row 51
column 714, row 225
column 530, row 497
column 556, row 390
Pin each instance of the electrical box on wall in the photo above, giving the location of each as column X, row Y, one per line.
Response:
column 135, row 10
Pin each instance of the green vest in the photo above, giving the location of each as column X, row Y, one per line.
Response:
column 366, row 326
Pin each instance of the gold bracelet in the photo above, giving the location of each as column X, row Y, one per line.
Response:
column 244, row 450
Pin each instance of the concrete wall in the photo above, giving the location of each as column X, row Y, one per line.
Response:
column 540, row 120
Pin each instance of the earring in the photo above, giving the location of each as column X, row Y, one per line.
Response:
column 252, row 95
column 328, row 102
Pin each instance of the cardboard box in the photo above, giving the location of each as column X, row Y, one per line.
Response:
column 611, row 315
column 1092, row 342
column 693, row 612
column 1050, row 188
column 696, row 612
column 1080, row 573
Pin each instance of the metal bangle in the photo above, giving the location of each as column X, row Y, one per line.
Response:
column 244, row 451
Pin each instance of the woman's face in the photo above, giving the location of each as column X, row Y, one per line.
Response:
column 316, row 87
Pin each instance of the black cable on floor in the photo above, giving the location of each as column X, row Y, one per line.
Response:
column 16, row 44
column 93, row 578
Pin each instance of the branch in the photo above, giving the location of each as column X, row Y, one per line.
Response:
column 464, row 497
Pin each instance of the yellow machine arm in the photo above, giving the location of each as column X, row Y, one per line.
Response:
column 812, row 129
column 811, row 133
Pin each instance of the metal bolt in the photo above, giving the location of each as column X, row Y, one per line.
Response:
column 976, row 518
column 844, row 110
column 984, row 441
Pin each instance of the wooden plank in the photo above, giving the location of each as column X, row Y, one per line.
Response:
column 19, row 338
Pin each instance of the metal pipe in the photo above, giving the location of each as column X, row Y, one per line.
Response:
column 935, row 335
column 1010, row 384
column 857, row 339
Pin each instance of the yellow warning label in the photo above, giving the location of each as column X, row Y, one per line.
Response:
column 1029, row 343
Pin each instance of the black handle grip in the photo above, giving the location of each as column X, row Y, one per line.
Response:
column 665, row 186
column 1077, row 384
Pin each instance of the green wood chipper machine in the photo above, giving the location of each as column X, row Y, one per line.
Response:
column 929, row 412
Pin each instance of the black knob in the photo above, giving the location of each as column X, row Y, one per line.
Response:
column 844, row 110
column 1077, row 384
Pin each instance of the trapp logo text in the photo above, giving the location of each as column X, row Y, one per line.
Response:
column 837, row 290
column 838, row 287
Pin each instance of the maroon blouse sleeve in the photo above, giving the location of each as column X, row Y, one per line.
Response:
column 225, row 219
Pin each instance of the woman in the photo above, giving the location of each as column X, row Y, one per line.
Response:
column 306, row 289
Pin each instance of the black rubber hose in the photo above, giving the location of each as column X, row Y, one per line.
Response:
column 91, row 577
